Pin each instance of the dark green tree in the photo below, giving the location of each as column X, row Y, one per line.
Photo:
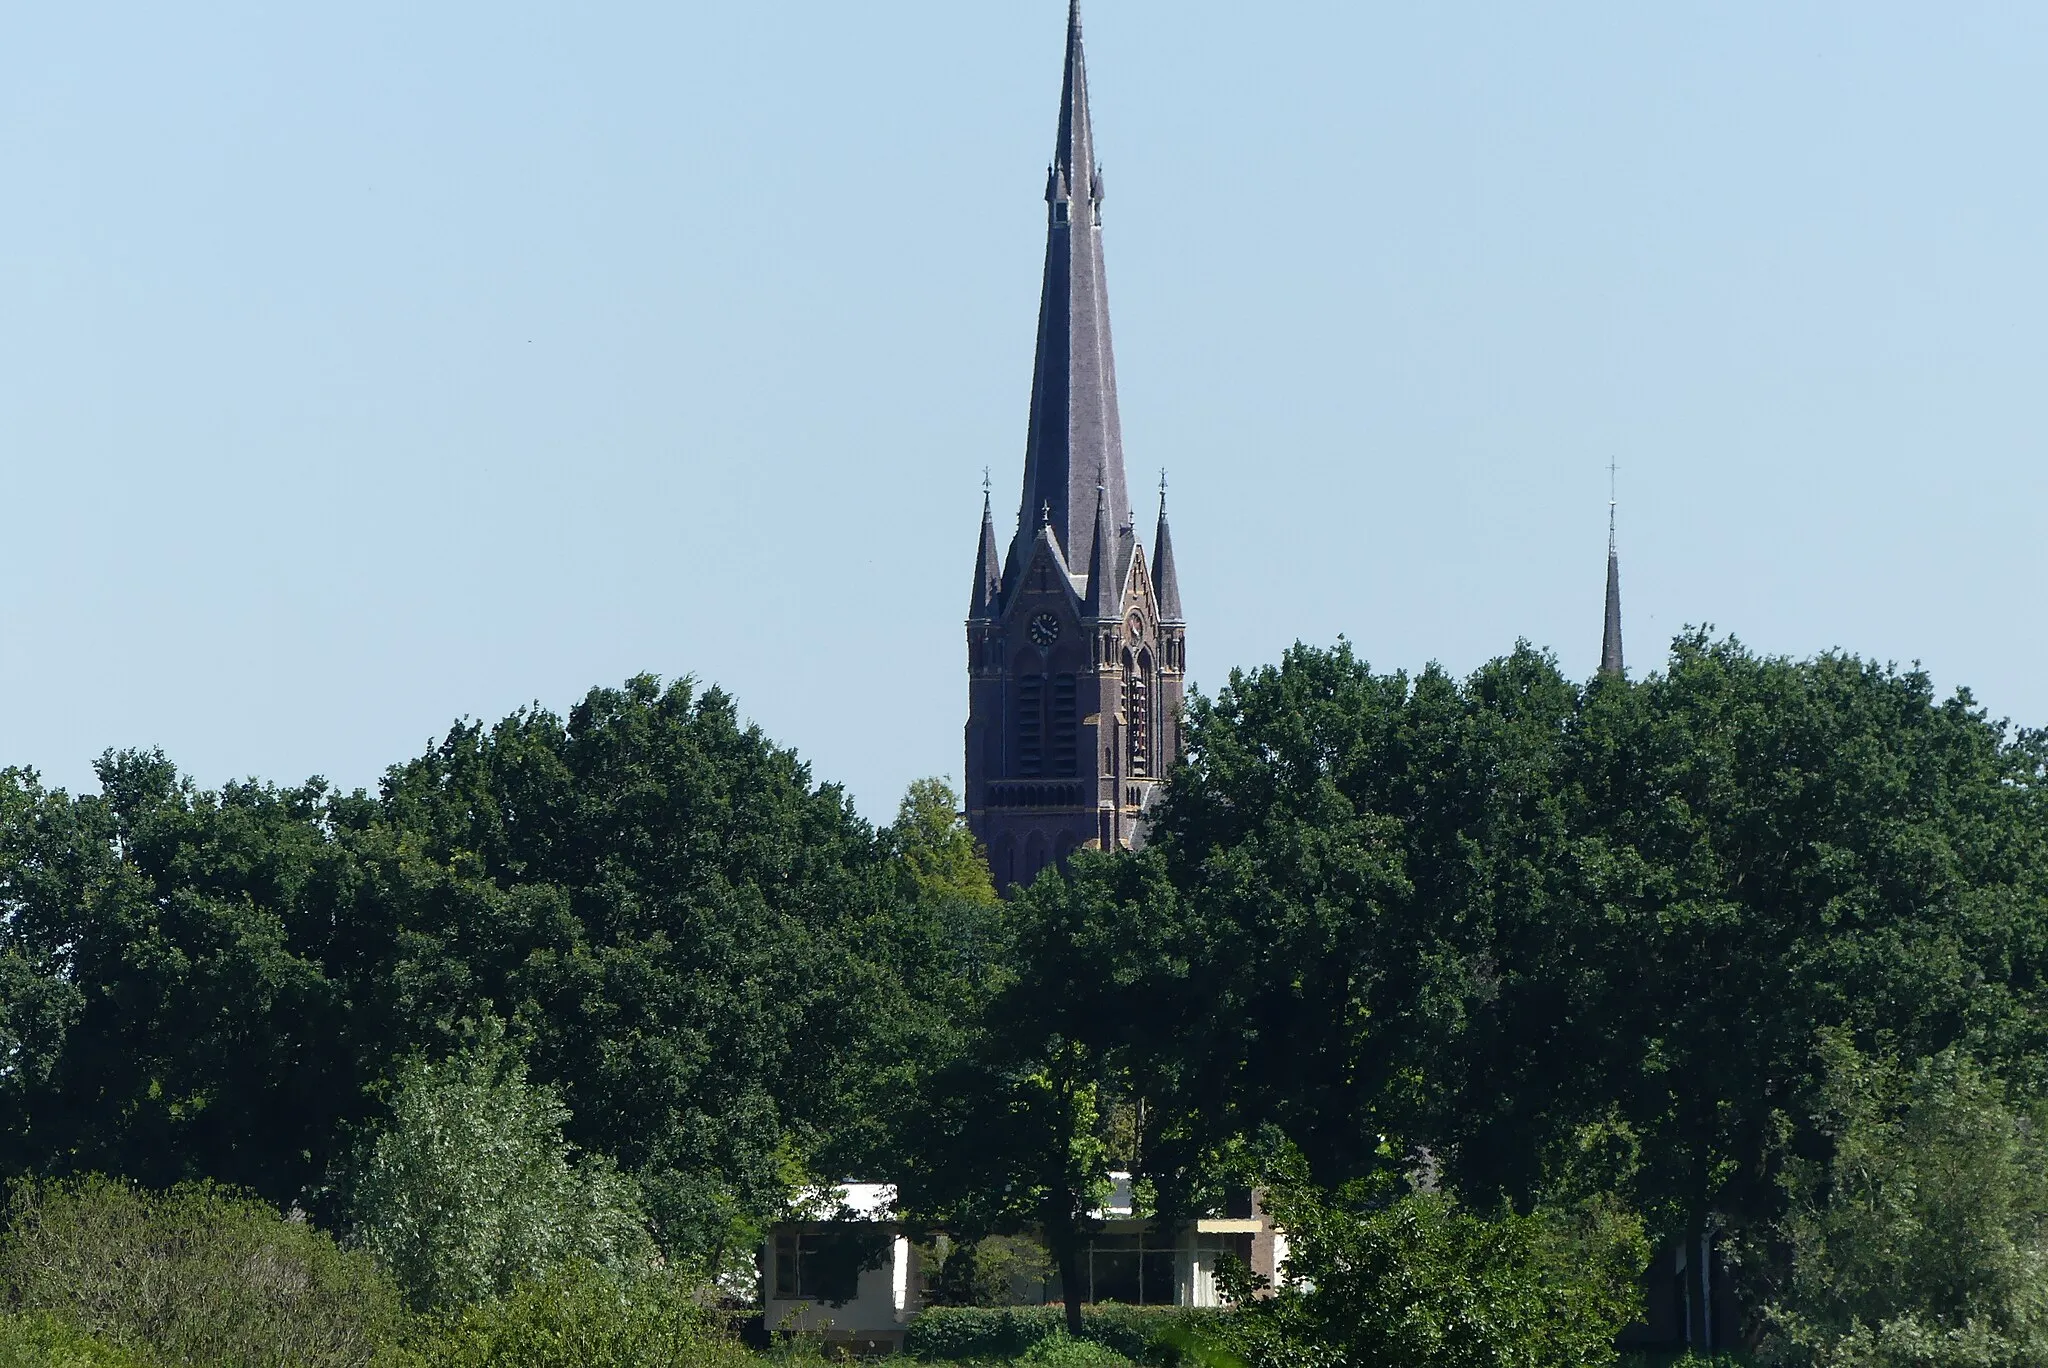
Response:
column 1530, row 927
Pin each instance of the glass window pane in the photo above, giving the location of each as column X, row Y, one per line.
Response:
column 1116, row 1276
column 1158, row 1277
column 785, row 1266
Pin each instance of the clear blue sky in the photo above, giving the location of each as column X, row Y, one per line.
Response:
column 363, row 366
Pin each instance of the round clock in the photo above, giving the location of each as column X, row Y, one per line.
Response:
column 1045, row 629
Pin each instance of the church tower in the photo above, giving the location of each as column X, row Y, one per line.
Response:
column 1075, row 643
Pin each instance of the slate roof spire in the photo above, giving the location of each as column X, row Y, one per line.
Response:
column 1075, row 442
column 988, row 582
column 1610, row 639
column 1105, row 566
column 1165, row 584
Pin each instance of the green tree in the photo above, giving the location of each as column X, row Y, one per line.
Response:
column 1491, row 917
column 677, row 918
column 1923, row 1238
column 472, row 1189
column 166, row 1000
column 1018, row 1134
column 1414, row 1280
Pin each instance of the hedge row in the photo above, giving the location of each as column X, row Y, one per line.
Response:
column 955, row 1334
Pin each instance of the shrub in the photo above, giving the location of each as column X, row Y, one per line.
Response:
column 583, row 1316
column 40, row 1340
column 956, row 1334
column 197, row 1275
column 989, row 1271
column 1059, row 1350
column 1416, row 1281
column 472, row 1189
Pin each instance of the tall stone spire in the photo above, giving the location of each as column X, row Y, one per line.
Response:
column 1075, row 441
column 1165, row 583
column 1610, row 640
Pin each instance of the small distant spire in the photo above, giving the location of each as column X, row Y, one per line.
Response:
column 1610, row 642
column 1165, row 584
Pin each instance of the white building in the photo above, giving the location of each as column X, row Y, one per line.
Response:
column 812, row 1280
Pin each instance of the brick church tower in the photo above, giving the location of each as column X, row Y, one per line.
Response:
column 1075, row 642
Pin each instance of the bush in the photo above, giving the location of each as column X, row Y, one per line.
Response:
column 39, row 1340
column 195, row 1275
column 1418, row 1282
column 473, row 1190
column 955, row 1334
column 1058, row 1350
column 583, row 1316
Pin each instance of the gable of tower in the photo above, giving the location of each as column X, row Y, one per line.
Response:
column 1138, row 589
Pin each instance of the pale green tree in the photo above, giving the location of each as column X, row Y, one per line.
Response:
column 472, row 1190
column 1922, row 1240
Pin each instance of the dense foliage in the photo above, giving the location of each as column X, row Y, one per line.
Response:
column 726, row 974
column 1571, row 936
column 41, row 1340
column 1754, row 950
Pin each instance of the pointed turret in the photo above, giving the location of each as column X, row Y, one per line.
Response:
column 1075, row 444
column 1105, row 566
column 988, row 574
column 1165, row 584
column 1610, row 640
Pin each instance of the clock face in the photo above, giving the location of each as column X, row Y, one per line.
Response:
column 1045, row 629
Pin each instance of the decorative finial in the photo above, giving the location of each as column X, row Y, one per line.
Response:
column 1611, row 469
column 1162, row 489
column 985, row 485
column 1045, row 514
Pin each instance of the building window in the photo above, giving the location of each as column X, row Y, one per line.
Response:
column 1136, row 1270
column 807, row 1267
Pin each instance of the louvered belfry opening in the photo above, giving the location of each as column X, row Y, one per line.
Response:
column 1031, row 725
column 1066, row 727
column 1138, row 713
